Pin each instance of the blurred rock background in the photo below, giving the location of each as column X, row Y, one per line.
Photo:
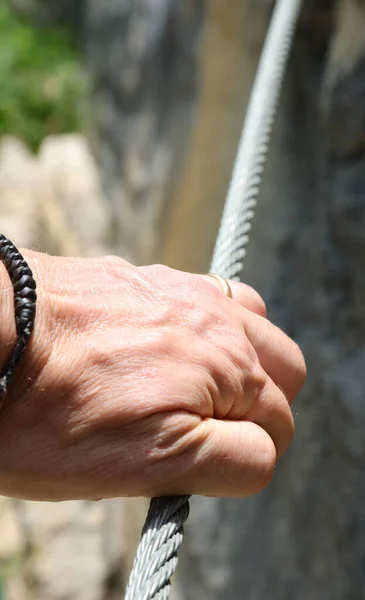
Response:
column 119, row 123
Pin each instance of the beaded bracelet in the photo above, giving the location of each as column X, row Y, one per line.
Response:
column 25, row 298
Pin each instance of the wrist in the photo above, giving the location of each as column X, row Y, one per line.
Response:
column 17, row 318
column 23, row 414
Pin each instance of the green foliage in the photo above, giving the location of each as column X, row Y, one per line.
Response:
column 41, row 85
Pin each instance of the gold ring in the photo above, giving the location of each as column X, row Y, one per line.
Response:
column 226, row 288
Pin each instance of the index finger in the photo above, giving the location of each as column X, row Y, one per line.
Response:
column 242, row 293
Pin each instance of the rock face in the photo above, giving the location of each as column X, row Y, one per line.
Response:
column 142, row 55
column 53, row 202
column 156, row 66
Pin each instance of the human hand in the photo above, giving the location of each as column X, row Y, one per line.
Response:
column 144, row 381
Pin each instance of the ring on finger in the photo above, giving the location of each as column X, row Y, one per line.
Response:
column 226, row 288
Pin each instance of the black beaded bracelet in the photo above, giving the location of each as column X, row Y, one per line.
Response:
column 25, row 299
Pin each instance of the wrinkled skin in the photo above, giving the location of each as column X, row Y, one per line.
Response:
column 142, row 381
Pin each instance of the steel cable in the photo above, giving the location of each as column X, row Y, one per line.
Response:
column 156, row 557
column 244, row 187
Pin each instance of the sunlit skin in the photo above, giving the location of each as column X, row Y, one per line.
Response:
column 143, row 381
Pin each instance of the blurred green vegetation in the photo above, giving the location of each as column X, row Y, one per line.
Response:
column 41, row 83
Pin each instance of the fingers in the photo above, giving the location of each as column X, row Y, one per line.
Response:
column 269, row 409
column 243, row 294
column 231, row 458
column 279, row 356
column 237, row 460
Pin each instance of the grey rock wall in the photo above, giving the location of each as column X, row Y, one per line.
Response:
column 142, row 56
column 161, row 67
column 304, row 537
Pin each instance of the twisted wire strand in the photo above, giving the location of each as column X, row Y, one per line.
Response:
column 156, row 557
column 230, row 248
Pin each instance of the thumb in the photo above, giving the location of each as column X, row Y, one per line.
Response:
column 231, row 459
column 237, row 459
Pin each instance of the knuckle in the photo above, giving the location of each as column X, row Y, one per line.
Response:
column 241, row 379
column 114, row 260
column 253, row 376
column 97, row 354
column 157, row 272
column 155, row 269
column 254, row 380
column 228, row 384
column 114, row 265
column 163, row 341
column 204, row 323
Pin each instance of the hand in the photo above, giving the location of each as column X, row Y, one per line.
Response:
column 144, row 381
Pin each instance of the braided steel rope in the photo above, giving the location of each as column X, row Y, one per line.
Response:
column 156, row 557
column 244, row 187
